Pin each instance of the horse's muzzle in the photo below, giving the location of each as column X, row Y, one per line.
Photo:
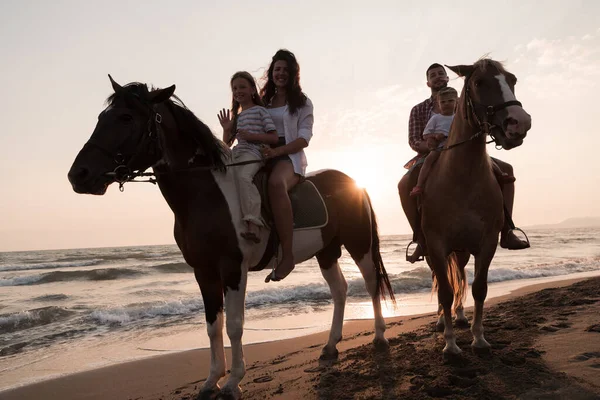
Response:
column 83, row 182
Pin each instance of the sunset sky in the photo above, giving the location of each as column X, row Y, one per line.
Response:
column 362, row 64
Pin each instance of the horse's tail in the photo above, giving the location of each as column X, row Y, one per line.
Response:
column 383, row 281
column 458, row 283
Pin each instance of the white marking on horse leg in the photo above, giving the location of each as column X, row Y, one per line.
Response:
column 479, row 341
column 367, row 269
column 234, row 307
column 338, row 287
column 218, row 364
column 451, row 347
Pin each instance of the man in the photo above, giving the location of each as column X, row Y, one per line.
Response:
column 437, row 79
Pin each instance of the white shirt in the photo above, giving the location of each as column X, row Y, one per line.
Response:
column 295, row 126
column 438, row 123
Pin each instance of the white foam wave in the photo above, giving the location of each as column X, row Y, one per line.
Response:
column 52, row 265
column 127, row 314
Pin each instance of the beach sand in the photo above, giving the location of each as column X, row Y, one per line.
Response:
column 545, row 339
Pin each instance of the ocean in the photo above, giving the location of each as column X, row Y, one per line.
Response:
column 64, row 311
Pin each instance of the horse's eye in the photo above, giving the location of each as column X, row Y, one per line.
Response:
column 126, row 118
column 478, row 82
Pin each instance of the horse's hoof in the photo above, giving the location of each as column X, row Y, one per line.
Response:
column 439, row 327
column 328, row 354
column 461, row 323
column 481, row 347
column 452, row 349
column 228, row 393
column 381, row 344
column 208, row 394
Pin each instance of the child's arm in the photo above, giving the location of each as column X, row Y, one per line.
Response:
column 224, row 117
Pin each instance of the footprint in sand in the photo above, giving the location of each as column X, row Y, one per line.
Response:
column 587, row 356
column 263, row 379
column 593, row 328
column 318, row 368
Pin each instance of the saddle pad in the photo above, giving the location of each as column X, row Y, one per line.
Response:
column 308, row 206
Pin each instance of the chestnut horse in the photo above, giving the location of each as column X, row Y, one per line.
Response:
column 144, row 128
column 462, row 209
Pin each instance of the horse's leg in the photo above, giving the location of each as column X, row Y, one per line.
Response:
column 367, row 269
column 328, row 261
column 479, row 288
column 235, row 295
column 461, row 319
column 212, row 295
column 445, row 296
column 439, row 325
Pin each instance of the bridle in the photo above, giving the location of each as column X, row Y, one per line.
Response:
column 485, row 124
column 124, row 170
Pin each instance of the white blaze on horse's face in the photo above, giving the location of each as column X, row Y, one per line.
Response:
column 517, row 122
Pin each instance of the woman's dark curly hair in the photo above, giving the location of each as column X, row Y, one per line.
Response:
column 294, row 96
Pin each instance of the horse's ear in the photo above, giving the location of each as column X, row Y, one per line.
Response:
column 160, row 95
column 116, row 87
column 461, row 70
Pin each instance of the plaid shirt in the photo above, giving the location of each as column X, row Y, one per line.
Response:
column 419, row 115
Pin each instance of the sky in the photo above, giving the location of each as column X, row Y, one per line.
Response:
column 362, row 64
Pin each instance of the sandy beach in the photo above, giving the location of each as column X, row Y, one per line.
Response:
column 545, row 338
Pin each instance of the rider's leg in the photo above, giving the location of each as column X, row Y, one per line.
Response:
column 429, row 161
column 282, row 180
column 409, row 204
column 508, row 239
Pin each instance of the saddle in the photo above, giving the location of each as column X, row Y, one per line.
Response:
column 308, row 208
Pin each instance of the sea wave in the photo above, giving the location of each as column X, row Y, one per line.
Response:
column 50, row 265
column 176, row 267
column 30, row 318
column 102, row 274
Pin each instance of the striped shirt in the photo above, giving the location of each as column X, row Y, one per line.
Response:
column 255, row 120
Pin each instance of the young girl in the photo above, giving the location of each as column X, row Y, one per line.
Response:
column 252, row 127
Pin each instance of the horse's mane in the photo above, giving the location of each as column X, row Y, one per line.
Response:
column 189, row 125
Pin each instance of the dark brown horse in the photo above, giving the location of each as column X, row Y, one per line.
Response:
column 142, row 129
column 462, row 210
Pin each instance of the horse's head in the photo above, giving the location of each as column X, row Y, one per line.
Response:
column 124, row 140
column 488, row 100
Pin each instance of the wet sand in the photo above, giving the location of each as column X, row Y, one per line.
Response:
column 545, row 339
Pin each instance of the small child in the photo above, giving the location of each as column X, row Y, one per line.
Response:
column 436, row 133
column 252, row 127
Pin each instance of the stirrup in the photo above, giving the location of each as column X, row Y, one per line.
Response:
column 524, row 234
column 408, row 247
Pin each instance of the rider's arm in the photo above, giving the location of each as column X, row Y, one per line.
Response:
column 415, row 132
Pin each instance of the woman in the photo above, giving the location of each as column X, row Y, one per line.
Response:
column 292, row 112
